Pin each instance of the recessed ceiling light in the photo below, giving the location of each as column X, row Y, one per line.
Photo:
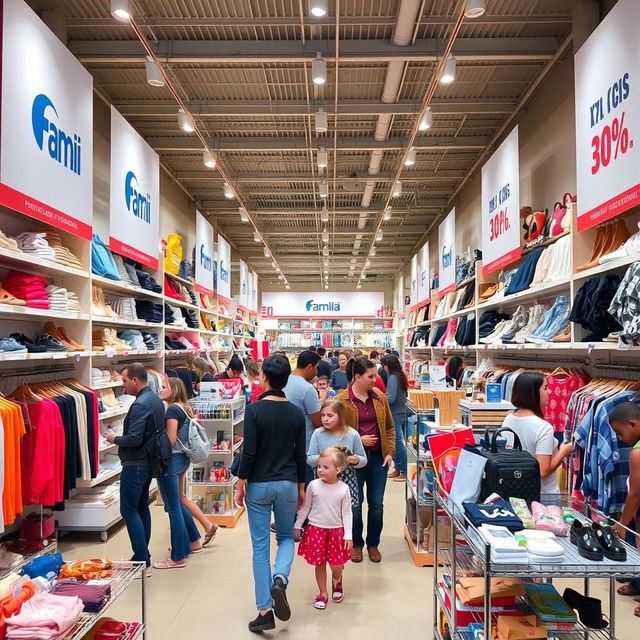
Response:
column 318, row 8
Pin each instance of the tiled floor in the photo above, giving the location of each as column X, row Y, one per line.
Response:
column 213, row 596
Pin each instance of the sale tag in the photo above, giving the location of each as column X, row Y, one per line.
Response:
column 622, row 346
column 590, row 347
column 59, row 356
column 110, row 352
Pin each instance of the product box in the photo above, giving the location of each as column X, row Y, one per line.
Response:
column 494, row 393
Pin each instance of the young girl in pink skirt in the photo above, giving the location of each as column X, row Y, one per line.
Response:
column 327, row 537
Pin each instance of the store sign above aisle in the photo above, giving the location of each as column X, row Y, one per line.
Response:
column 244, row 286
column 46, row 136
column 351, row 304
column 447, row 254
column 224, row 271
column 607, row 83
column 205, row 262
column 253, row 300
column 134, row 205
column 424, row 286
column 501, row 206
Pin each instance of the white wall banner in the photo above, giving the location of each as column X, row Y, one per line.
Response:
column 424, row 283
column 413, row 290
column 607, row 81
column 244, row 285
column 134, row 203
column 224, row 270
column 204, row 258
column 46, row 136
column 253, row 290
column 447, row 254
column 501, row 206
column 351, row 304
column 400, row 296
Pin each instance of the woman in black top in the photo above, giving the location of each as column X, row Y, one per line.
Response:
column 273, row 462
column 202, row 369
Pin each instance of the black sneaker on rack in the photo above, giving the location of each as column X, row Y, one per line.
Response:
column 31, row 346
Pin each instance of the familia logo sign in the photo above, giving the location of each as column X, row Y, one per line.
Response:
column 64, row 148
column 205, row 261
column 137, row 203
column 311, row 305
column 224, row 273
column 446, row 257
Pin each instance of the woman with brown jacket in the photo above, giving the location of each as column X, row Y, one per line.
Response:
column 367, row 410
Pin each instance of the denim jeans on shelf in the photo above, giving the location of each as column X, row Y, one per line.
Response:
column 183, row 528
column 281, row 497
column 374, row 476
column 553, row 319
column 134, row 507
column 400, row 457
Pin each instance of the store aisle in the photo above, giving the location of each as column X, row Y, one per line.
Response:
column 213, row 595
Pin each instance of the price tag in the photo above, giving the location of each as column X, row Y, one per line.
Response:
column 545, row 345
column 59, row 356
column 590, row 347
column 110, row 352
column 520, row 347
column 14, row 356
column 622, row 346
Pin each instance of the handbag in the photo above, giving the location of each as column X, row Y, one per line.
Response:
column 350, row 478
column 511, row 473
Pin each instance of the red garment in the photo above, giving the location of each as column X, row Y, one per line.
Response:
column 560, row 387
column 323, row 545
column 256, row 391
column 380, row 383
column 171, row 291
column 367, row 419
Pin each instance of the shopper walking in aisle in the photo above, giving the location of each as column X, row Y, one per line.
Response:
column 455, row 368
column 233, row 371
column 253, row 374
column 332, row 356
column 143, row 420
column 397, row 387
column 324, row 366
column 367, row 409
column 339, row 376
column 271, row 479
column 374, row 356
column 327, row 538
column 529, row 396
column 185, row 537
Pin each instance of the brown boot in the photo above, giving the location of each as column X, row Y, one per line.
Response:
column 602, row 240
column 374, row 554
column 356, row 555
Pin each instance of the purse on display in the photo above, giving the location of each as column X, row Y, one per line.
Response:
column 511, row 473
column 534, row 226
column 560, row 220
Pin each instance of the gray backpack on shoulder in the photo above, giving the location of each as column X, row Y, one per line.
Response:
column 197, row 443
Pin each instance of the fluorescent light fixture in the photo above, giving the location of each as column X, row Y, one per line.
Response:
column 265, row 250
column 325, row 252
column 154, row 75
column 318, row 8
column 323, row 159
column 280, row 277
column 185, row 121
column 256, row 237
column 323, row 190
column 324, row 214
column 359, row 286
column 410, row 160
column 379, row 235
column 326, row 286
column 120, row 9
column 319, row 70
column 287, row 286
column 426, row 122
column 387, row 213
column 397, row 189
column 475, row 9
column 448, row 74
column 243, row 214
column 228, row 191
column 326, row 272
column 321, row 121
column 208, row 159
column 325, row 236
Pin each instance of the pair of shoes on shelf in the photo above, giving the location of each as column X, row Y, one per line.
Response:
column 596, row 541
column 99, row 305
column 28, row 343
column 103, row 338
column 60, row 334
column 609, row 238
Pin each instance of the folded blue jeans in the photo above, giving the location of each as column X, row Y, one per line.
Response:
column 553, row 318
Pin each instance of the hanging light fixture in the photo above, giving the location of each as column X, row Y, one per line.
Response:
column 256, row 237
column 323, row 159
column 448, row 74
column 372, row 252
column 325, row 251
column 319, row 69
column 326, row 271
column 326, row 286
column 325, row 236
column 475, row 9
column 120, row 9
column 387, row 214
column 280, row 277
column 321, row 121
column 228, row 191
column 154, row 74
column 275, row 266
column 358, row 286
column 185, row 121
column 324, row 214
column 367, row 264
column 326, row 262
column 318, row 8
column 323, row 190
column 426, row 122
column 265, row 250
column 379, row 235
column 410, row 160
column 243, row 214
column 208, row 159
column 363, row 276
column 397, row 189
column 287, row 286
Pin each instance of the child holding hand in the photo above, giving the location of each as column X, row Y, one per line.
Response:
column 327, row 537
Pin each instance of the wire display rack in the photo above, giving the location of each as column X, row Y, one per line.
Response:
column 462, row 551
column 52, row 547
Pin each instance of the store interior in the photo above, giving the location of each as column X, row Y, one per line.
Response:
column 449, row 182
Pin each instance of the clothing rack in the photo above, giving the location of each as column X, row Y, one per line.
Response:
column 37, row 371
column 526, row 360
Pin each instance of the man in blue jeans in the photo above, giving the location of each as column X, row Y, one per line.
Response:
column 144, row 418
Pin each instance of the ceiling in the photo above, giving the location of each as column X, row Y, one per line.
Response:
column 243, row 69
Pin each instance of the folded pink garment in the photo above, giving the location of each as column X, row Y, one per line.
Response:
column 44, row 616
column 549, row 518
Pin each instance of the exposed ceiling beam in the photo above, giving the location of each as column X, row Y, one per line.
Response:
column 230, row 108
column 186, row 144
column 222, row 207
column 241, row 52
column 440, row 176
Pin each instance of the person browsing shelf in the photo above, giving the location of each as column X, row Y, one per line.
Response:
column 397, row 388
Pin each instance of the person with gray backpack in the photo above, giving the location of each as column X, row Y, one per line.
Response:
column 189, row 444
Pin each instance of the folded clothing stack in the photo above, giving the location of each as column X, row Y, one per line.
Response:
column 192, row 297
column 190, row 317
column 150, row 311
column 6, row 242
column 44, row 566
column 73, row 302
column 58, row 300
column 35, row 243
column 45, row 616
column 147, row 282
column 93, row 596
column 499, row 512
column 178, row 318
column 171, row 289
column 186, row 269
column 93, row 569
column 172, row 345
column 124, row 307
column 504, row 547
column 100, row 377
column 110, row 629
column 28, row 287
column 62, row 254
column 122, row 272
column 169, row 317
column 151, row 340
column 133, row 338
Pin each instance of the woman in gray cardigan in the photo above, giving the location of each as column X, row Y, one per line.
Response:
column 397, row 386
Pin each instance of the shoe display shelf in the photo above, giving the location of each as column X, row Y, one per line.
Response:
column 459, row 551
column 207, row 484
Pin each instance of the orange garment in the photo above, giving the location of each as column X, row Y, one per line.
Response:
column 14, row 431
column 11, row 605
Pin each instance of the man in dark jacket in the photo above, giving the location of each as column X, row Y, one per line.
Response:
column 144, row 418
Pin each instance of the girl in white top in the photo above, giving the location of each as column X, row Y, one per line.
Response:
column 536, row 436
column 327, row 537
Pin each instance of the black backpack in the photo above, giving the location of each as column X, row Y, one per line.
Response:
column 159, row 450
column 511, row 473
